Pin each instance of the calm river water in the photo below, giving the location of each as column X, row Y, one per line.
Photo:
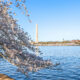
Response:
column 68, row 69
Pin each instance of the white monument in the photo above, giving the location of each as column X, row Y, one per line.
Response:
column 36, row 33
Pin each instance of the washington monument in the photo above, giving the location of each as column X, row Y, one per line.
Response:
column 36, row 33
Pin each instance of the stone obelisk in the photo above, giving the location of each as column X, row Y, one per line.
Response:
column 36, row 33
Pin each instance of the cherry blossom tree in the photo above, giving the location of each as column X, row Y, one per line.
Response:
column 14, row 42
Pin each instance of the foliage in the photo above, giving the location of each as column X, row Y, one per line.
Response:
column 15, row 43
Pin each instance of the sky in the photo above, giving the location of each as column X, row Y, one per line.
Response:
column 56, row 19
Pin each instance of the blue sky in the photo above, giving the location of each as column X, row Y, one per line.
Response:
column 56, row 19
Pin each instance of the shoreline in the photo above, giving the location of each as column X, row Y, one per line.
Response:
column 55, row 44
column 5, row 77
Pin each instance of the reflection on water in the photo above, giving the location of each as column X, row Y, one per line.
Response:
column 67, row 56
column 37, row 51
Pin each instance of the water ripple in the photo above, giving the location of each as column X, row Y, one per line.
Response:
column 67, row 68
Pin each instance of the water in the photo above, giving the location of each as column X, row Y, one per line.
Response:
column 67, row 56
